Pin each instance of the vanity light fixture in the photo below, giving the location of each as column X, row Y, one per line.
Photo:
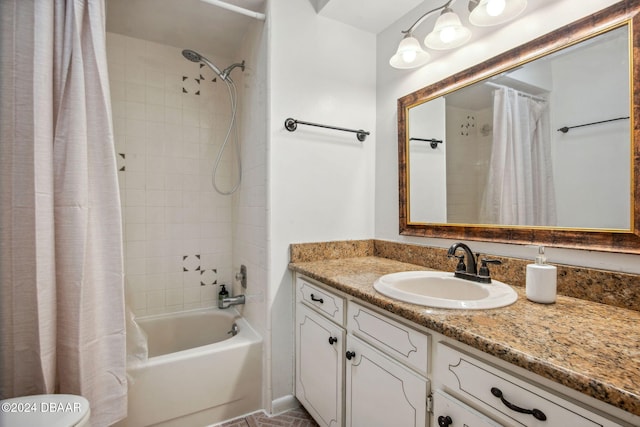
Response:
column 485, row 13
column 409, row 54
column 448, row 32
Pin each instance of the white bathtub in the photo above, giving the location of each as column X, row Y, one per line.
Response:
column 196, row 374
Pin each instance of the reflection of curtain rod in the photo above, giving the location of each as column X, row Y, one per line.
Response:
column 566, row 128
column 528, row 95
column 236, row 9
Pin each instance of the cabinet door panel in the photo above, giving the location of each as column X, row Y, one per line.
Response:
column 327, row 303
column 319, row 366
column 380, row 392
column 399, row 341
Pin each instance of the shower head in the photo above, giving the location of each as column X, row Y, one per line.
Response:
column 194, row 56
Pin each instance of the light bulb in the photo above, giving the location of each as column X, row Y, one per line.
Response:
column 495, row 7
column 447, row 34
column 409, row 56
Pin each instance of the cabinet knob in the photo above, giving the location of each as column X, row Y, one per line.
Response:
column 444, row 421
column 350, row 355
column 537, row 413
column 333, row 340
column 320, row 300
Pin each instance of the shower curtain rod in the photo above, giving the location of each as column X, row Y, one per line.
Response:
column 537, row 98
column 236, row 9
column 292, row 124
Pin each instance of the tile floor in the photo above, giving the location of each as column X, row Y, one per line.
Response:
column 293, row 418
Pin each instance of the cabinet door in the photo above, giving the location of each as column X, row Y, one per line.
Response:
column 380, row 392
column 319, row 366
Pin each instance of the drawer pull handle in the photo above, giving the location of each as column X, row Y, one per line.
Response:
column 320, row 300
column 350, row 354
column 445, row 421
column 537, row 414
column 333, row 340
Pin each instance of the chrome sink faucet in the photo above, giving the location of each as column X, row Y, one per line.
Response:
column 467, row 267
column 229, row 301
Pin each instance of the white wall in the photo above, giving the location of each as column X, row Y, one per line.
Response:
column 321, row 182
column 177, row 230
column 427, row 195
column 392, row 84
column 250, row 200
column 591, row 165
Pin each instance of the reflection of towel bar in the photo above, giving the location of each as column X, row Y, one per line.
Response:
column 433, row 142
column 292, row 124
column 566, row 128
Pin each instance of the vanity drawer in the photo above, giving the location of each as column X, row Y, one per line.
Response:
column 493, row 391
column 393, row 338
column 446, row 407
column 332, row 306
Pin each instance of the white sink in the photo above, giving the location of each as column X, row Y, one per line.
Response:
column 442, row 290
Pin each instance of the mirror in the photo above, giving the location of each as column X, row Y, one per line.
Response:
column 536, row 145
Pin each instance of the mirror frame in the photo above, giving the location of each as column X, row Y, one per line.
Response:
column 623, row 241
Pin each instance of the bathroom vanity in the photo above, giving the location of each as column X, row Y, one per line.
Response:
column 363, row 359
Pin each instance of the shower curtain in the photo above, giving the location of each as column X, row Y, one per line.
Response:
column 61, row 267
column 520, row 189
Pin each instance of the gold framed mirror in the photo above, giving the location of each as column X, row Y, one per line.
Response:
column 581, row 149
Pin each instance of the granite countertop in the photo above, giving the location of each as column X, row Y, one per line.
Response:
column 589, row 347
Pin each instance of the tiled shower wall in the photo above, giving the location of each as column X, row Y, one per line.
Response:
column 170, row 117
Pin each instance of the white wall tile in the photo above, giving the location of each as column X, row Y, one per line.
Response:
column 166, row 180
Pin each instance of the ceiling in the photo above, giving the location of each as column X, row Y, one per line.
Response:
column 192, row 24
column 198, row 25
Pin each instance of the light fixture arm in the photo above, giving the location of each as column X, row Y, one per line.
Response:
column 426, row 15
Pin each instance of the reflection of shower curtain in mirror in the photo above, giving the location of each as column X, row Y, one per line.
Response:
column 520, row 187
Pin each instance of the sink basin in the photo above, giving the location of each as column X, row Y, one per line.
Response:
column 442, row 290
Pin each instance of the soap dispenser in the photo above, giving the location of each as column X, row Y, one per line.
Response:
column 222, row 294
column 541, row 280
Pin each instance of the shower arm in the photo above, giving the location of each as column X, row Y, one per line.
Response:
column 225, row 73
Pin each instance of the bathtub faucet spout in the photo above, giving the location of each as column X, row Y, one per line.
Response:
column 229, row 301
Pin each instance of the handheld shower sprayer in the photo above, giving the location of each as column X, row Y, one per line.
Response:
column 232, row 132
column 194, row 56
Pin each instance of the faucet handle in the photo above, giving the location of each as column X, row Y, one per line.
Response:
column 461, row 265
column 484, row 269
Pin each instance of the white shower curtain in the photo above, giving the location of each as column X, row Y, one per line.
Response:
column 520, row 189
column 61, row 268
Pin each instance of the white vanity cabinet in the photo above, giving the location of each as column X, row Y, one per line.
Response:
column 376, row 375
column 387, row 364
column 381, row 392
column 357, row 366
column 502, row 396
column 320, row 353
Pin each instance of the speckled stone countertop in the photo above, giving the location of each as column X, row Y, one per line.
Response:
column 589, row 347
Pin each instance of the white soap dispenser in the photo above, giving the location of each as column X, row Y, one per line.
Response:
column 541, row 280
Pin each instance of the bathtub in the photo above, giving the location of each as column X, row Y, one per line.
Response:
column 196, row 374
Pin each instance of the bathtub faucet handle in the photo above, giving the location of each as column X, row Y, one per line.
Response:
column 234, row 330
